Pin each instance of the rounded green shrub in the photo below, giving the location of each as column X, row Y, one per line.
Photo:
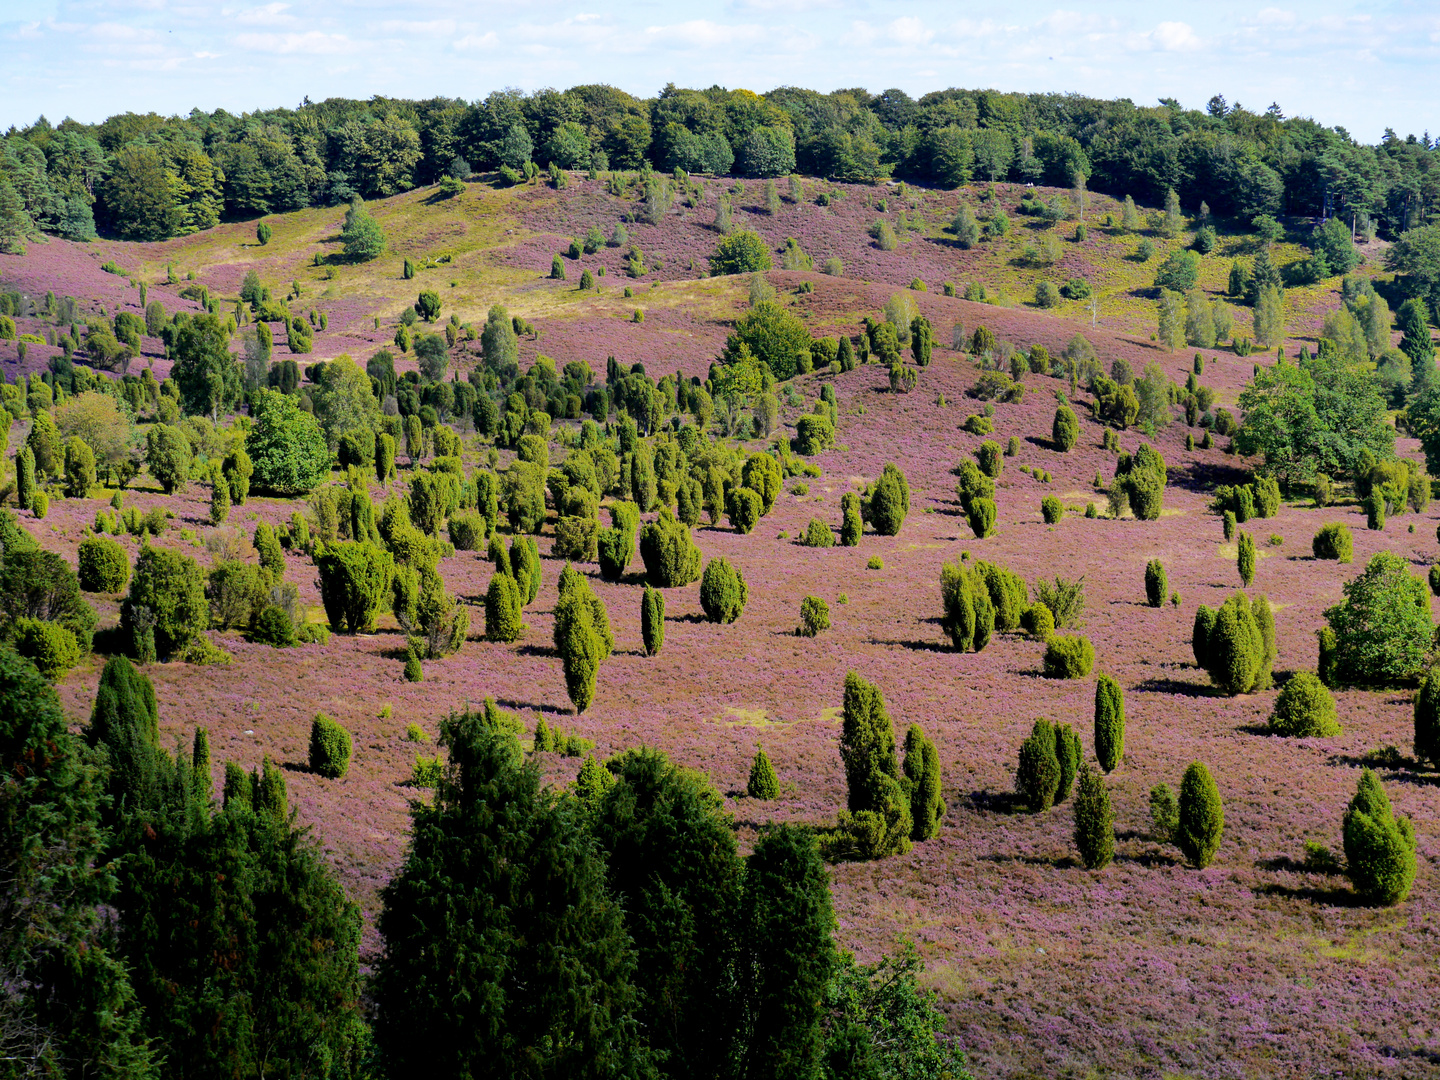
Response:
column 875, row 562
column 1379, row 846
column 981, row 516
column 467, row 530
column 272, row 556
column 1332, row 542
column 723, row 591
column 652, row 620
column 40, row 505
column 1382, row 629
column 503, row 605
column 744, row 508
column 1038, row 621
column 49, row 646
column 1202, row 816
column 990, row 458
column 814, row 617
column 1305, row 708
column 671, row 558
column 103, row 565
column 818, row 534
column 1109, row 723
column 413, row 671
column 1068, row 656
column 329, row 748
column 763, row 783
column 1037, row 777
column 274, row 628
column 1094, row 821
column 889, row 501
column 1156, row 586
column 1052, row 510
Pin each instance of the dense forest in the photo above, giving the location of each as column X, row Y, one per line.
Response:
column 148, row 177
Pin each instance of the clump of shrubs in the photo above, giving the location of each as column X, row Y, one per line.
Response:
column 969, row 613
column 1038, row 621
column 1235, row 644
column 103, row 566
column 1049, row 760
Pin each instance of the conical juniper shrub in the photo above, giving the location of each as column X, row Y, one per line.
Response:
column 969, row 614
column 1052, row 510
column 1382, row 628
column 1427, row 718
column 1037, row 621
column 1109, row 723
column 763, row 783
column 1202, row 816
column 1094, row 821
column 652, row 620
column 1068, row 656
column 814, row 617
column 1037, row 777
column 922, row 775
column 723, row 591
column 1234, row 648
column 1228, row 522
column 329, row 748
column 1070, row 754
column 670, row 556
column 1379, row 847
column 1064, row 429
column 851, row 525
column 1200, row 635
column 877, row 819
column 1156, row 586
column 980, row 514
column 1305, row 708
column 503, row 605
column 888, row 501
column 1245, row 559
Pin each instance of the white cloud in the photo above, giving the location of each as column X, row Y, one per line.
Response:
column 268, row 15
column 1167, row 37
column 704, row 34
column 910, row 31
column 487, row 40
column 312, row 42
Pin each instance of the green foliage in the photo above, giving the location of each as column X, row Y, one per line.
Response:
column 652, row 620
column 1164, row 813
column 167, row 597
column 1038, row 622
column 923, row 779
column 1052, row 510
column 1037, row 777
column 355, row 579
column 1382, row 628
column 1305, row 708
column 273, row 627
column 1109, row 723
column 888, row 501
column 555, row 987
column 1201, row 816
column 877, row 820
column 1068, row 656
column 503, row 608
column 49, row 646
column 980, row 515
column 740, row 252
column 969, row 613
column 1156, row 585
column 1379, row 846
column 286, row 446
column 1332, row 541
column 670, row 556
column 582, row 636
column 103, row 565
column 1094, row 821
column 723, row 591
column 813, row 434
column 1064, row 429
column 763, row 783
column 237, row 592
column 167, row 455
column 852, row 526
column 814, row 617
column 818, row 534
column 329, row 748
column 1245, row 558
column 361, row 234
column 1427, row 719
column 743, row 507
column 79, row 468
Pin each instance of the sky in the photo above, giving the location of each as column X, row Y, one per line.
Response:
column 1361, row 65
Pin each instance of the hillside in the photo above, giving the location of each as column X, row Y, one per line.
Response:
column 1259, row 966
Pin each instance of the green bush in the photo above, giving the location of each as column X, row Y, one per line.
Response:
column 743, row 507
column 652, row 620
column 671, row 558
column 1094, row 821
column 274, row 628
column 1382, row 628
column 723, row 591
column 467, row 530
column 1332, row 542
column 877, row 820
column 1038, row 621
column 969, row 613
column 355, row 579
column 852, row 527
column 990, row 458
column 1037, row 778
column 1008, row 593
column 980, row 515
column 1201, row 816
column 237, row 591
column 1245, row 559
column 582, row 636
column 1068, row 656
column 1379, row 846
column 1156, row 586
column 1064, row 429
column 888, row 501
column 167, row 595
column 763, row 783
column 1109, row 723
column 1164, row 813
column 1230, row 644
column 1052, row 510
column 40, row 505
column 329, row 748
column 1228, row 524
column 814, row 617
column 818, row 534
column 1305, row 708
column 49, row 646
column 1375, row 511
column 503, row 607
column 1434, row 580
column 875, row 562
column 813, row 434
column 103, row 565
column 272, row 557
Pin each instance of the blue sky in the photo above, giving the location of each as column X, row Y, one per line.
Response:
column 1361, row 65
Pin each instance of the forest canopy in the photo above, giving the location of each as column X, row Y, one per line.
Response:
column 148, row 177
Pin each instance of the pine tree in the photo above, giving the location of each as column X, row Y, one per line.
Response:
column 1109, row 723
column 1094, row 821
column 1202, row 816
column 546, row 971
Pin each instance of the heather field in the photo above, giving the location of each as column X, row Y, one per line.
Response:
column 1254, row 967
